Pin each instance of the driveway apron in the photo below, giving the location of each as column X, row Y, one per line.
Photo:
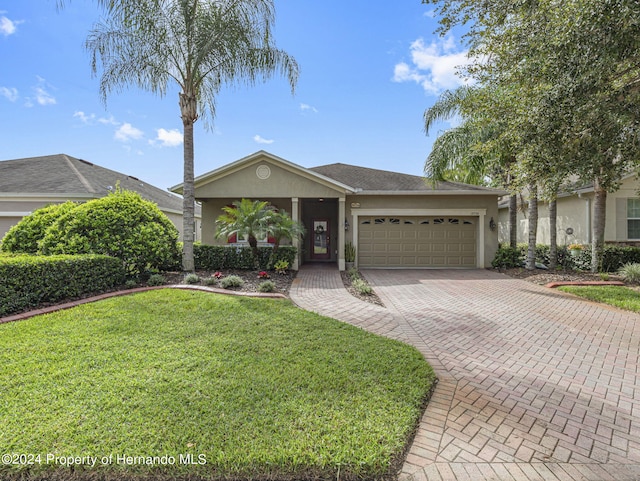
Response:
column 533, row 384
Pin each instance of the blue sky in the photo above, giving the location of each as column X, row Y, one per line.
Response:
column 369, row 69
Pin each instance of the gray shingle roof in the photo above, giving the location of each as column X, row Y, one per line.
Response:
column 382, row 180
column 63, row 174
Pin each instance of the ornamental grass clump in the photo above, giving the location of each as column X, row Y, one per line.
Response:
column 630, row 272
column 231, row 281
column 191, row 279
column 361, row 286
column 156, row 280
column 210, row 281
column 267, row 286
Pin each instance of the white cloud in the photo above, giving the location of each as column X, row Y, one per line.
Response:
column 168, row 138
column 86, row 119
column 127, row 132
column 433, row 66
column 10, row 94
column 305, row 107
column 41, row 94
column 7, row 26
column 261, row 140
column 108, row 121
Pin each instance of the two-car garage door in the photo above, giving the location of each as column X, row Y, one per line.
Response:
column 446, row 241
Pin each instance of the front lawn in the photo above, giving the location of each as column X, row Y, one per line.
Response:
column 617, row 296
column 174, row 384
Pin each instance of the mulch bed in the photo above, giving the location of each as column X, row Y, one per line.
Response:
column 543, row 277
column 251, row 279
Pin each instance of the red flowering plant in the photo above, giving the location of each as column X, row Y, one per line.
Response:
column 263, row 275
column 217, row 274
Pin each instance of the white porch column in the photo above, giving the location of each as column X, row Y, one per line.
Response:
column 295, row 215
column 341, row 236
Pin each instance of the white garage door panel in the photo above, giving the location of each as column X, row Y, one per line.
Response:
column 417, row 241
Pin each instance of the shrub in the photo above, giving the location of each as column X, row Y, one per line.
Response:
column 231, row 281
column 191, row 279
column 361, row 286
column 208, row 257
column 508, row 257
column 210, row 281
column 130, row 283
column 267, row 286
column 630, row 272
column 27, row 281
column 25, row 235
column 281, row 266
column 121, row 225
column 353, row 273
column 156, row 280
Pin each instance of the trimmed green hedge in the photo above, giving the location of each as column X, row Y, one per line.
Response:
column 208, row 257
column 613, row 259
column 27, row 281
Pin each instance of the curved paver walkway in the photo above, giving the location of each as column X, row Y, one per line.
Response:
column 534, row 384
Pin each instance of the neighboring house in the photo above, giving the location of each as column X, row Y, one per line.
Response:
column 393, row 219
column 31, row 183
column 575, row 216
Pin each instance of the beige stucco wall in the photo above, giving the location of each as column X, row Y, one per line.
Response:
column 245, row 182
column 576, row 211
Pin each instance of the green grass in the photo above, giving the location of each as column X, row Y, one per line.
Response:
column 258, row 388
column 617, row 296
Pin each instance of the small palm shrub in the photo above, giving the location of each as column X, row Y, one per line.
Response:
column 231, row 281
column 353, row 273
column 267, row 286
column 361, row 286
column 155, row 280
column 630, row 272
column 191, row 279
column 281, row 266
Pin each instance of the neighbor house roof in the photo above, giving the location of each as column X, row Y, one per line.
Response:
column 374, row 181
column 63, row 176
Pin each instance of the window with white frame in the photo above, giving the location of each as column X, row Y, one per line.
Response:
column 633, row 218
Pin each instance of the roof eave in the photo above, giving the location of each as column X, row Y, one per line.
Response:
column 430, row 192
column 239, row 164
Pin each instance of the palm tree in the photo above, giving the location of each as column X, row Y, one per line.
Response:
column 455, row 155
column 200, row 45
column 246, row 218
column 284, row 227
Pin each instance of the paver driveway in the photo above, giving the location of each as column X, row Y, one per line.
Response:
column 534, row 384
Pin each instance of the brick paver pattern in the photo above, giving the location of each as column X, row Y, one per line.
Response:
column 533, row 384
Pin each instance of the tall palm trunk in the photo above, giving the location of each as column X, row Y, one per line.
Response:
column 533, row 226
column 513, row 221
column 553, row 233
column 599, row 219
column 188, row 110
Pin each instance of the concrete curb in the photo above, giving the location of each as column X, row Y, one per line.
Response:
column 584, row 283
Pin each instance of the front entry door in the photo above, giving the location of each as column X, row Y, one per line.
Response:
column 320, row 248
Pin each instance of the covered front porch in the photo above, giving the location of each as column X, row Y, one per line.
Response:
column 321, row 217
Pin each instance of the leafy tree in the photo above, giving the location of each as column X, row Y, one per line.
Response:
column 575, row 66
column 121, row 225
column 198, row 45
column 26, row 234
